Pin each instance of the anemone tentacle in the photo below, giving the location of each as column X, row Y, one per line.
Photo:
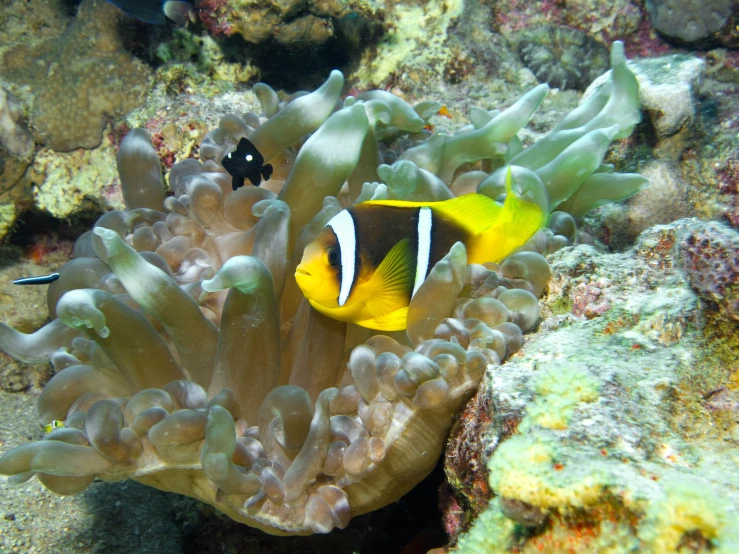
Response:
column 188, row 360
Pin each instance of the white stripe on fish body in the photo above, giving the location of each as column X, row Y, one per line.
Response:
column 424, row 247
column 343, row 225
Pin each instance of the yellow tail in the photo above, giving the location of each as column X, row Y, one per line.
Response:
column 516, row 222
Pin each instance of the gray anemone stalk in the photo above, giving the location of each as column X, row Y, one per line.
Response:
column 298, row 118
column 116, row 327
column 140, row 171
column 248, row 358
column 161, row 297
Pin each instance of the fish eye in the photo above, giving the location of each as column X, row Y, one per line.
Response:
column 332, row 254
column 249, row 157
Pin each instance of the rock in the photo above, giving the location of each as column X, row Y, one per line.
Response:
column 80, row 79
column 692, row 21
column 257, row 21
column 17, row 148
column 665, row 200
column 668, row 87
column 710, row 259
column 616, row 438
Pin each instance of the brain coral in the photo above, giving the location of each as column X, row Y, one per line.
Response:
column 188, row 360
column 80, row 79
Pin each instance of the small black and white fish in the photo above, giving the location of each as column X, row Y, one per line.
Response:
column 157, row 12
column 42, row 280
column 246, row 163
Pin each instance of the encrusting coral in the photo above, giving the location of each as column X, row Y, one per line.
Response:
column 81, row 78
column 188, row 360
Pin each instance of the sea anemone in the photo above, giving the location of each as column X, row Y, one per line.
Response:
column 188, row 360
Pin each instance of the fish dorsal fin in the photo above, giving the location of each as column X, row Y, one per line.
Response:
column 473, row 212
column 392, row 280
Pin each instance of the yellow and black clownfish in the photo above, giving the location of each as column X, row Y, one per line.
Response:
column 370, row 259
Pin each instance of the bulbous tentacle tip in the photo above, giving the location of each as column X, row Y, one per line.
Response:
column 261, row 208
column 618, row 53
column 110, row 239
column 336, row 74
column 245, row 273
column 457, row 255
column 611, row 131
column 77, row 308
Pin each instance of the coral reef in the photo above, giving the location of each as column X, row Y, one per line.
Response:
column 290, row 23
column 597, row 18
column 79, row 79
column 563, row 57
column 188, row 360
column 416, row 40
column 615, row 447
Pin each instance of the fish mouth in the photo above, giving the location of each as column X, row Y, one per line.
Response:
column 300, row 270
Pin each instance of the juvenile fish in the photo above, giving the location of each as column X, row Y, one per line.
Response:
column 370, row 259
column 246, row 163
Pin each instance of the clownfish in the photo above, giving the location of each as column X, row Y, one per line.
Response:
column 369, row 260
column 55, row 424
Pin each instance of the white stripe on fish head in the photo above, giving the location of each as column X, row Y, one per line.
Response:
column 343, row 226
column 424, row 247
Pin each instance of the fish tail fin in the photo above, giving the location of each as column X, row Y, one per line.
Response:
column 516, row 223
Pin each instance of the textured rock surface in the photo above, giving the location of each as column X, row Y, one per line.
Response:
column 710, row 259
column 603, row 434
column 16, row 152
column 668, row 90
column 79, row 79
column 307, row 23
column 664, row 201
column 692, row 21
column 417, row 39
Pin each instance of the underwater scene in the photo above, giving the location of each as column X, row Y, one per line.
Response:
column 369, row 276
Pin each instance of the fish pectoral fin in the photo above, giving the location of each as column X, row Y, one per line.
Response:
column 266, row 171
column 392, row 321
column 237, row 182
column 255, row 179
column 392, row 281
